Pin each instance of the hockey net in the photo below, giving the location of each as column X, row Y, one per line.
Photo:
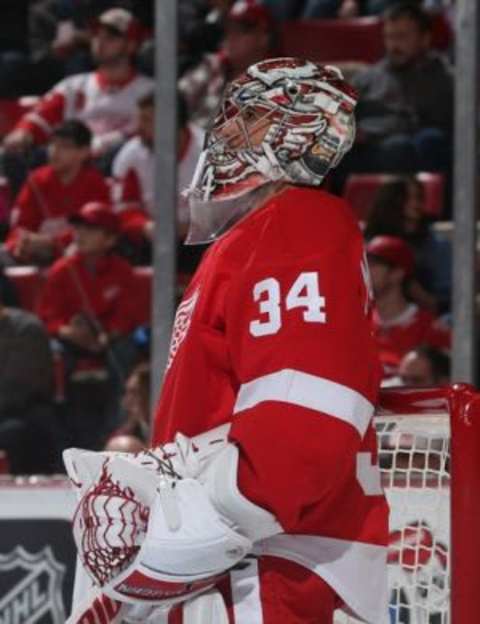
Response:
column 429, row 454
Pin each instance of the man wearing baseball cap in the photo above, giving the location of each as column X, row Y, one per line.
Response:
column 249, row 37
column 105, row 99
column 88, row 302
column 400, row 325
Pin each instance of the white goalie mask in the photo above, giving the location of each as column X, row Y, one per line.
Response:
column 284, row 119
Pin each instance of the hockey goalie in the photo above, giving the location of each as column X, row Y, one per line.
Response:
column 260, row 500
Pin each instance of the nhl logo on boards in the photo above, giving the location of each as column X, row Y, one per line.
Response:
column 34, row 587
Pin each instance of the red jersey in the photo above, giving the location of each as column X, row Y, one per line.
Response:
column 274, row 336
column 105, row 292
column 45, row 203
column 108, row 108
column 412, row 328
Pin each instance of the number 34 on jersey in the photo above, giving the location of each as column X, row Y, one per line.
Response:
column 304, row 294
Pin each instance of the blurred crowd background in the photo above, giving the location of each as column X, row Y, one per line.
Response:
column 77, row 211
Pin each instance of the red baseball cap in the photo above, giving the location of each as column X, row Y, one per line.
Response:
column 97, row 214
column 250, row 13
column 393, row 250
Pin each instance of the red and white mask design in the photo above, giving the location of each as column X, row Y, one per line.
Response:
column 284, row 119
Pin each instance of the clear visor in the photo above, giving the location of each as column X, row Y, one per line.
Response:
column 209, row 219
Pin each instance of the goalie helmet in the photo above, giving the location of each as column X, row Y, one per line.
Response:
column 284, row 120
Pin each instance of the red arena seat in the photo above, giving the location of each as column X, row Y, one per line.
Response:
column 28, row 281
column 143, row 276
column 330, row 40
column 360, row 190
column 12, row 109
column 434, row 186
column 358, row 39
column 442, row 32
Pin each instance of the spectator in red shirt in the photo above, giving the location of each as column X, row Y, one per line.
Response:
column 88, row 306
column 88, row 296
column 52, row 193
column 399, row 324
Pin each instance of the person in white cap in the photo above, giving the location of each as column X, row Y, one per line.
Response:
column 105, row 99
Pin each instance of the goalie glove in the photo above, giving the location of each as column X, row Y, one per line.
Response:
column 147, row 535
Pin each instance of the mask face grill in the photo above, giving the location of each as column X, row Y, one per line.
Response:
column 284, row 119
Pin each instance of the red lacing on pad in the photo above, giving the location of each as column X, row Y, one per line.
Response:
column 101, row 556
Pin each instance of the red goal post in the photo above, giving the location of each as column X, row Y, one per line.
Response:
column 429, row 455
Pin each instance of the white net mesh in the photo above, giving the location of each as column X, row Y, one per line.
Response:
column 414, row 460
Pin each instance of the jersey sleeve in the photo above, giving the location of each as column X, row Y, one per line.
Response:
column 303, row 353
column 46, row 115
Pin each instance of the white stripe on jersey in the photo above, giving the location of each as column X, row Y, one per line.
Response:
column 245, row 587
column 315, row 393
column 39, row 121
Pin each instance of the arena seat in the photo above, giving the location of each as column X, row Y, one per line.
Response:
column 12, row 109
column 360, row 190
column 442, row 32
column 358, row 39
column 28, row 281
column 330, row 40
column 434, row 185
column 143, row 278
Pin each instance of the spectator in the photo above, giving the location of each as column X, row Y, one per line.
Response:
column 88, row 305
column 49, row 56
column 133, row 169
column 201, row 28
column 405, row 112
column 399, row 210
column 136, row 405
column 124, row 444
column 52, row 193
column 399, row 324
column 249, row 37
column 27, row 430
column 87, row 298
column 424, row 366
column 105, row 99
